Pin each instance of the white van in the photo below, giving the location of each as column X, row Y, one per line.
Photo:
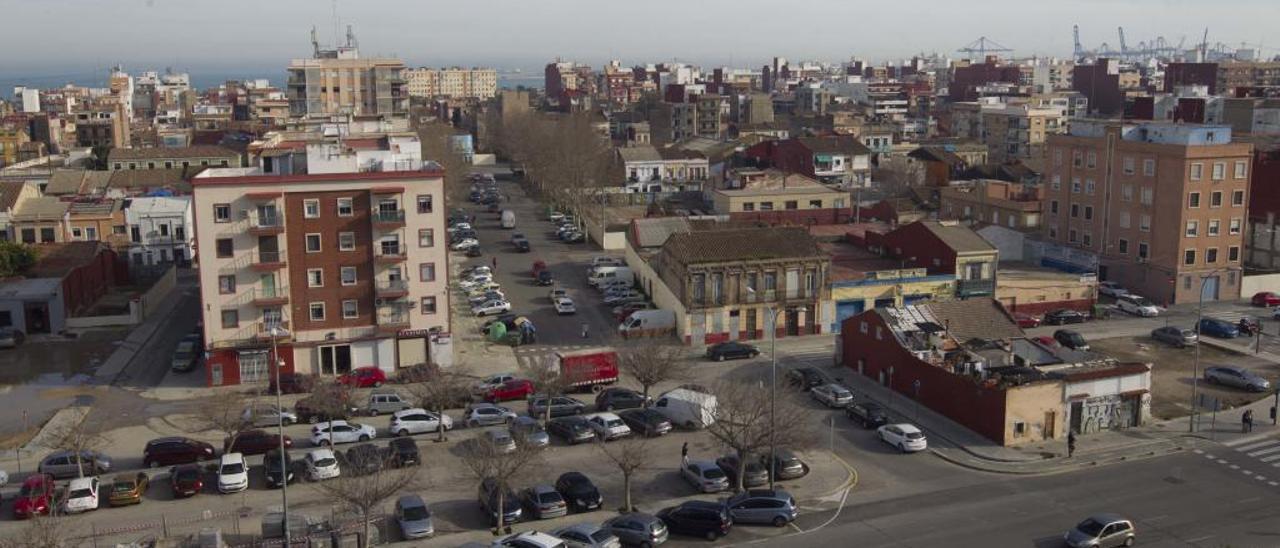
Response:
column 648, row 322
column 609, row 273
column 508, row 218
column 686, row 408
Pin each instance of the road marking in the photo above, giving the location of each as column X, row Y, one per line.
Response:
column 1222, row 461
column 1197, row 451
column 1260, row 477
column 1247, row 440
column 1250, row 499
column 1208, row 456
column 1254, row 445
column 1261, row 452
column 1273, row 484
column 1270, row 458
column 792, row 524
column 1233, row 466
column 1198, row 539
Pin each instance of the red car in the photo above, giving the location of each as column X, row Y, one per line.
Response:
column 254, row 442
column 35, row 498
column 1265, row 298
column 514, row 389
column 364, row 377
column 186, row 480
column 1047, row 341
column 1026, row 321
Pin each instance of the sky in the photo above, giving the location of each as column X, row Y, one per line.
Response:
column 52, row 41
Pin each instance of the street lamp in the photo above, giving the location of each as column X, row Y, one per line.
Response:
column 773, row 384
column 284, row 457
column 1195, row 364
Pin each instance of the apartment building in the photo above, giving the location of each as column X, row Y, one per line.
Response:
column 172, row 158
column 988, row 201
column 1011, row 131
column 341, row 263
column 160, row 230
column 1162, row 205
column 341, row 82
column 454, row 82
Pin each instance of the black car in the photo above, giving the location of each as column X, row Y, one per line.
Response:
column 508, row 319
column 175, row 450
column 731, row 351
column 1064, row 316
column 474, row 251
column 805, row 378
column 579, row 492
column 698, row 518
column 646, row 421
column 545, row 278
column 869, row 415
column 292, row 383
column 755, row 476
column 618, row 398
column 403, row 452
column 364, row 459
column 573, row 429
column 561, row 406
column 275, row 473
column 1070, row 339
column 487, row 493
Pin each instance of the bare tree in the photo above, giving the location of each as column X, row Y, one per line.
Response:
column 330, row 400
column 651, row 365
column 436, row 142
column 547, row 381
column 77, row 437
column 742, row 422
column 366, row 493
column 40, row 532
column 225, row 414
column 487, row 461
column 443, row 390
column 629, row 455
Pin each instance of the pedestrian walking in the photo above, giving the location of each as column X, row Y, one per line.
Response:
column 1071, row 444
column 585, row 329
column 684, row 454
column 1244, row 422
column 495, row 264
column 1248, row 420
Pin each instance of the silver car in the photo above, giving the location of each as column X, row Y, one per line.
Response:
column 500, row 439
column 777, row 508
column 544, row 502
column 268, row 415
column 1175, row 336
column 386, row 401
column 1101, row 531
column 484, row 414
column 1236, row 377
column 637, row 529
column 705, row 476
column 587, row 535
column 832, row 395
column 414, row 517
column 66, row 464
column 528, row 431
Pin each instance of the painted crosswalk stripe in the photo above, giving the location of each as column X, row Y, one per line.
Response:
column 1255, row 445
column 1270, row 458
column 1233, row 466
column 1266, row 451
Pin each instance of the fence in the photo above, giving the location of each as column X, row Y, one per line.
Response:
column 238, row 528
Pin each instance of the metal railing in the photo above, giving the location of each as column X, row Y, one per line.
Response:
column 393, row 316
column 273, row 220
column 270, row 257
column 384, row 216
column 391, row 250
column 280, row 292
column 393, row 285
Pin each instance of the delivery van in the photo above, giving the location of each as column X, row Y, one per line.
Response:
column 686, row 408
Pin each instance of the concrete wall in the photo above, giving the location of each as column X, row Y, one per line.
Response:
column 651, row 284
column 1261, row 282
column 134, row 317
column 1007, row 241
column 159, row 290
column 1038, row 407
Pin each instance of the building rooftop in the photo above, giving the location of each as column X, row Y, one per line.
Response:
column 836, row 144
column 962, row 239
column 126, row 154
column 159, row 205
column 743, row 244
column 77, row 181
column 95, row 208
column 29, row 288
column 9, row 192
column 56, row 260
column 850, row 263
column 41, row 208
column 644, row 153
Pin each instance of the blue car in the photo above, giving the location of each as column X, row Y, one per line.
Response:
column 1221, row 329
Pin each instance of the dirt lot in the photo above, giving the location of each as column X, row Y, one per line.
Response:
column 1171, row 372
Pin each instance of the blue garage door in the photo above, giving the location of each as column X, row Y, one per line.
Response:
column 846, row 310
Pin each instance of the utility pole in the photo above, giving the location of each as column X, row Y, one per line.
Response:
column 284, row 457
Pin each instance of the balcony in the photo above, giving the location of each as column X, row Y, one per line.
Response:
column 393, row 318
column 975, row 288
column 390, row 254
column 266, row 225
column 268, row 330
column 269, row 297
column 388, row 219
column 268, row 261
column 391, row 289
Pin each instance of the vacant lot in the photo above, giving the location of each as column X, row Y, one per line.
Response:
column 1171, row 372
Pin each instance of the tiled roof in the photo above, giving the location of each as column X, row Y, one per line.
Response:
column 41, row 207
column 77, row 181
column 56, row 260
column 654, row 232
column 938, row 155
column 842, row 144
column 203, row 151
column 9, row 192
column 962, row 239
column 141, row 180
column 974, row 319
column 711, row 246
column 640, row 154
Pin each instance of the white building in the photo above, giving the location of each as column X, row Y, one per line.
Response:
column 161, row 229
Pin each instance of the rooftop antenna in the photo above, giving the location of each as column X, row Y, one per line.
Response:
column 315, row 42
column 351, row 39
column 334, row 5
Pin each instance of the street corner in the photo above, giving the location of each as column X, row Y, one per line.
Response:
column 830, row 477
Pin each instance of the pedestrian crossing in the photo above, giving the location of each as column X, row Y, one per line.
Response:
column 1266, row 451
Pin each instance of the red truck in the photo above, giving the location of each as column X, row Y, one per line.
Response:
column 589, row 368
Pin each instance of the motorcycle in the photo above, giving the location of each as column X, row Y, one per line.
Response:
column 1247, row 327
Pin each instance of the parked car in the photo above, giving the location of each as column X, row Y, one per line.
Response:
column 403, row 452
column 1221, row 329
column 329, row 433
column 528, row 432
column 292, row 383
column 586, row 535
column 364, row 459
column 754, row 476
column 697, row 518
column 543, row 502
column 565, row 307
column 572, row 430
column 175, row 450
column 731, row 351
column 622, row 312
column 1175, row 336
column 1046, row 340
column 254, row 442
column 1070, row 339
column 233, row 473
column 1265, row 298
column 1064, row 316
column 544, row 278
column 907, row 438
column 488, row 492
column 499, row 439
column 560, row 406
column 128, row 489
column 608, row 426
column 11, row 337
column 490, row 308
column 278, row 469
column 413, row 517
column 1236, row 377
column 1137, row 305
column 385, row 401
column 621, row 297
column 312, row 412
column 705, row 476
column 463, row 244
column 615, row 397
column 82, row 495
column 580, row 494
column 514, row 389
column 1026, row 321
column 66, row 464
column 35, row 498
column 1111, row 289
column 321, row 464
column 263, row 414
column 868, row 414
column 1101, row 531
column 363, row 377
column 637, row 529
column 774, row 507
column 647, row 422
column 486, row 414
column 416, row 421
column 786, row 465
column 186, row 480
column 832, row 395
column 185, row 357
column 805, row 377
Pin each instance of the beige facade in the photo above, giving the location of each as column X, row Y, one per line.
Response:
column 985, row 201
column 455, row 82
column 346, row 86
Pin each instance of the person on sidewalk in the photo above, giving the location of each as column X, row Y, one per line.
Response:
column 1246, row 421
column 1071, row 444
column 684, row 455
column 586, row 330
column 495, row 265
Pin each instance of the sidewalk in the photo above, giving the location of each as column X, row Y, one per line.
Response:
column 116, row 366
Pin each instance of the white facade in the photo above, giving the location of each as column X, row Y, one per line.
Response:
column 161, row 230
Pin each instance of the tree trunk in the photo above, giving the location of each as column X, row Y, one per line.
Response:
column 742, row 471
column 364, row 540
column 645, row 393
column 626, row 492
column 440, row 423
column 500, row 512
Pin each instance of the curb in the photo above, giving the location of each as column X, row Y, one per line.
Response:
column 1102, row 459
column 850, row 481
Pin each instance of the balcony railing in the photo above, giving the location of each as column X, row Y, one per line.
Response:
column 269, row 296
column 273, row 329
column 385, row 217
column 388, row 288
column 264, row 225
column 269, row 260
column 393, row 318
column 975, row 288
column 391, row 253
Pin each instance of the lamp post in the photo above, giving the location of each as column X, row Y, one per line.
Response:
column 1195, row 364
column 284, row 457
column 773, row 385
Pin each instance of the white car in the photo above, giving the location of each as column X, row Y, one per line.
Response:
column 82, row 495
column 491, row 307
column 464, row 243
column 606, row 261
column 321, row 465
column 907, row 438
column 477, row 270
column 555, row 216
column 459, row 226
column 1112, row 289
column 528, row 539
column 268, row 415
column 564, row 306
column 233, row 473
column 486, row 296
column 608, row 426
column 329, row 433
column 1137, row 305
column 416, row 421
column 476, row 282
column 832, row 395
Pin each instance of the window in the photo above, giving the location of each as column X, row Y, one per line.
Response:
column 1189, row 256
column 1233, row 254
column 227, row 285
column 1056, row 182
column 317, row 312
column 1089, row 186
column 1075, row 185
column 135, row 234
column 230, row 319
column 748, row 206
column 47, row 235
column 346, row 241
column 1219, row 171
column 1143, row 249
column 425, row 203
column 1053, row 207
column 1197, row 171
column 28, row 235
column 1147, row 196
column 311, row 209
column 426, row 237
column 770, row 281
column 1237, row 198
column 1240, row 170
column 350, row 309
column 315, row 277
column 1124, row 219
column 164, row 230
column 1211, row 255
column 1123, row 246
column 428, row 306
column 1126, row 193
column 345, row 207
column 347, row 275
column 1149, row 168
column 1215, row 199
column 1128, row 165
column 1213, row 227
column 179, row 232
column 313, row 243
column 1144, row 222
column 1053, row 232
column 1193, row 229
column 1193, row 200
column 224, row 247
column 766, row 206
column 1186, row 282
column 791, row 204
column 427, row 272
column 1072, row 236
column 77, row 233
column 1093, row 160
column 1088, row 239
column 1088, row 213
column 221, row 213
column 1233, row 227
column 1077, row 158
column 815, row 204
